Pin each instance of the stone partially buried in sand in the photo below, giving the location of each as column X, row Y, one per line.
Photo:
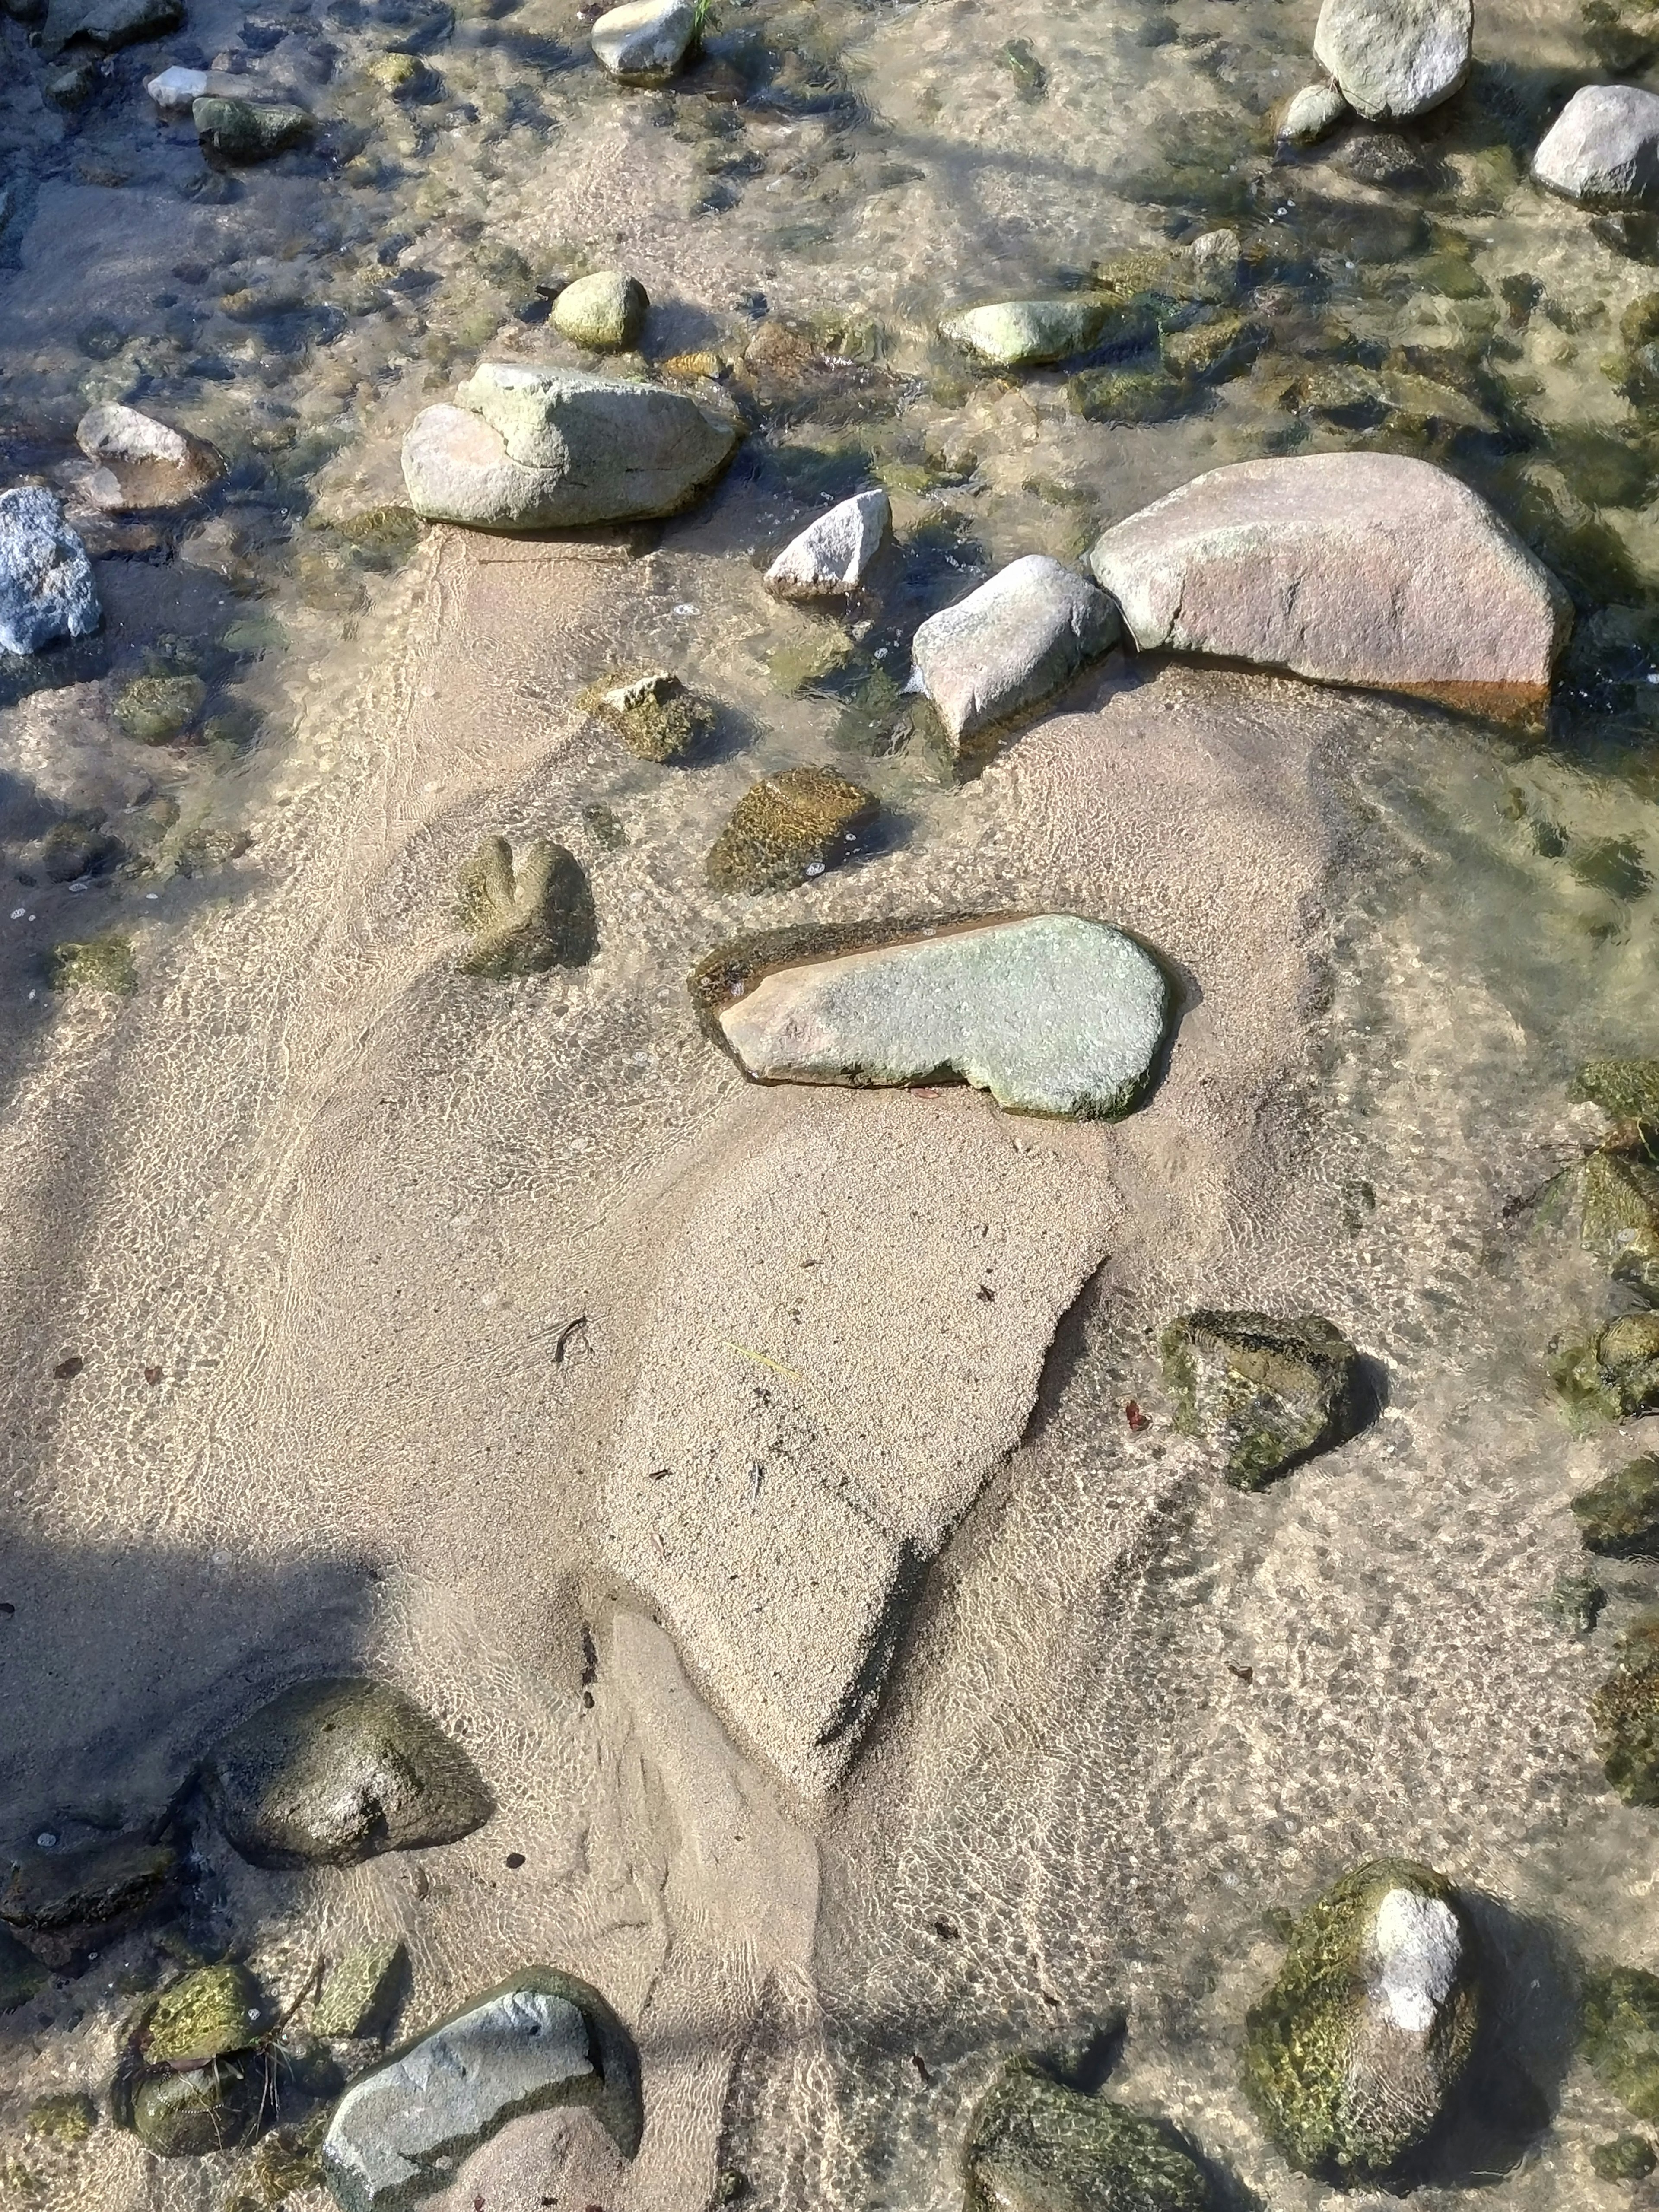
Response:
column 544, row 449
column 1271, row 1390
column 1050, row 1013
column 828, row 558
column 336, row 1770
column 1036, row 2145
column 1604, row 149
column 542, row 2038
column 787, row 829
column 1010, row 644
column 525, row 916
column 644, row 41
column 1393, row 58
column 46, row 590
column 1354, row 2054
column 142, row 464
column 1369, row 569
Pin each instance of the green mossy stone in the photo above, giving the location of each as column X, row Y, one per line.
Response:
column 1214, row 350
column 279, row 2167
column 787, row 829
column 21, row 1974
column 1619, row 1516
column 1627, row 2158
column 1128, row 395
column 361, row 1994
column 1577, row 1601
column 1624, row 1712
column 93, row 963
column 1619, row 1218
column 155, row 709
column 1614, row 1376
column 210, row 2108
column 527, row 917
column 209, row 2014
column 1035, row 2145
column 65, row 2120
column 1271, row 1390
column 1628, row 1088
column 653, row 714
column 250, row 130
column 1347, row 2094
column 1619, row 2035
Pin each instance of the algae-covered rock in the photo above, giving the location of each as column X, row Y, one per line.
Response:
column 527, row 917
column 1620, row 1217
column 1626, row 1088
column 653, row 714
column 93, row 963
column 335, row 1770
column 21, row 1974
column 1616, row 1374
column 787, row 829
column 207, row 2015
column 281, row 2166
column 154, row 709
column 1035, row 2145
column 604, row 312
column 1273, row 1390
column 1128, row 395
column 65, row 2119
column 1619, row 2035
column 1625, row 1713
column 1353, row 2055
column 1619, row 1516
column 208, row 2108
column 1627, row 2158
column 361, row 1991
column 245, row 130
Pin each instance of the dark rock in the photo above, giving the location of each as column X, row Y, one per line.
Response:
column 70, row 850
column 107, row 24
column 1619, row 1516
column 653, row 714
column 1034, row 2145
column 529, row 917
column 245, row 130
column 62, row 1900
column 1619, row 2035
column 1616, row 1374
column 788, row 828
column 1271, row 1390
column 1625, row 1711
column 92, row 963
column 207, row 2109
column 21, row 1974
column 1627, row 2158
column 333, row 1771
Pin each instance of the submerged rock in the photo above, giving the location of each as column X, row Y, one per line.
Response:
column 1353, row 2055
column 208, row 2108
column 66, row 1897
column 68, row 2118
column 653, row 714
column 542, row 2038
column 1310, row 115
column 336, row 1770
column 1271, row 1390
column 22, row 1976
column 176, row 91
column 828, row 559
column 544, row 448
column 1626, row 1088
column 245, row 130
column 143, row 464
column 1625, row 1711
column 154, row 710
column 1022, row 333
column 207, row 2015
column 107, row 24
column 1604, row 149
column 1619, row 1218
column 1050, row 1013
column 1357, row 568
column 1010, row 644
column 1395, row 57
column 361, row 1992
column 1617, row 1373
column 1619, row 2035
column 1627, row 2158
column 787, row 829
column 527, row 918
column 46, row 590
column 605, row 311
column 1619, row 1516
column 93, row 963
column 644, row 41
column 1034, row 2145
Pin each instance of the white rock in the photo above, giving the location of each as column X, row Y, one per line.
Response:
column 829, row 557
column 1418, row 1949
column 1395, row 57
column 176, row 90
column 1603, row 148
column 1010, row 643
column 142, row 463
column 1308, row 115
column 46, row 590
column 645, row 41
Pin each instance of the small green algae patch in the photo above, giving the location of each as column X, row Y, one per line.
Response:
column 1619, row 1216
column 1627, row 2158
column 66, row 2119
column 155, row 709
column 1628, row 1088
column 1612, row 1376
column 1624, row 1712
column 1619, row 1516
column 1619, row 2036
column 93, row 963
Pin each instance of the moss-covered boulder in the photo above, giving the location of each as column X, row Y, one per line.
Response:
column 93, row 963
column 1619, row 1516
column 65, row 2119
column 1619, row 2035
column 653, row 714
column 1619, row 1216
column 1625, row 1711
column 208, row 2108
column 526, row 917
column 1036, row 2145
column 788, row 828
column 209, row 2013
column 1626, row 1088
column 1616, row 1374
column 1353, row 2055
column 1271, row 1389
column 335, row 1770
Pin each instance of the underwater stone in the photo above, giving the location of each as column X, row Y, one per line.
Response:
column 46, row 589
column 247, row 130
column 527, row 918
column 1626, row 1088
column 1050, row 1013
column 21, row 1974
column 653, row 714
column 1310, row 114
column 143, row 464
column 154, row 709
column 209, row 2014
column 361, row 1991
column 644, row 41
column 335, row 1771
column 605, row 311
column 787, row 829
column 93, row 963
column 1351, row 2057
column 542, row 2038
column 107, row 24
column 205, row 2109
column 1604, row 149
column 1619, row 2035
column 1626, row 1713
column 543, row 449
column 1619, row 1218
column 1035, row 2145
column 1010, row 644
column 1617, row 1374
column 1359, row 569
column 69, row 1894
column 1619, row 1516
column 828, row 558
column 1395, row 57
column 68, row 2118
column 175, row 91
column 1020, row 333
column 1128, row 395
column 1273, row 1391
column 1627, row 2158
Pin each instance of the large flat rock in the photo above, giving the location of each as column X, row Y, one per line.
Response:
column 1603, row 148
column 1358, row 569
column 1395, row 57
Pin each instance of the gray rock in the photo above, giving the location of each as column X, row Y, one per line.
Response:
column 1051, row 1014
column 1036, row 2145
column 644, row 41
column 1271, row 1391
column 1218, row 265
column 245, row 130
column 605, row 311
column 540, row 449
column 1309, row 115
column 1010, row 644
column 543, row 2039
column 828, row 559
column 1395, row 57
column 1603, row 148
column 336, row 1770
column 72, row 1897
column 107, row 24
column 46, row 590
column 1360, row 568
column 1021, row 333
column 142, row 464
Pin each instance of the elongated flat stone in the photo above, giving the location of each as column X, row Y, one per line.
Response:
column 1051, row 1014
